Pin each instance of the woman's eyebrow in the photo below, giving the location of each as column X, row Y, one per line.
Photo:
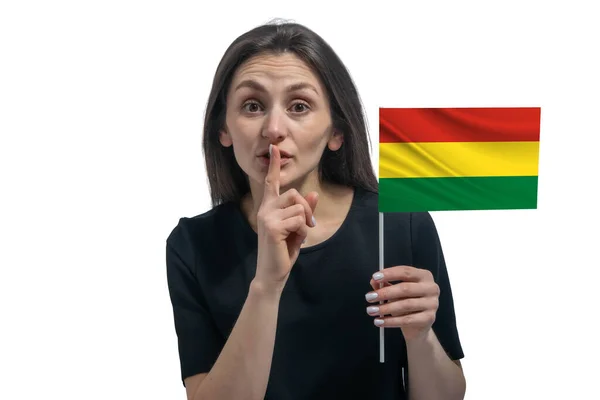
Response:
column 301, row 86
column 252, row 84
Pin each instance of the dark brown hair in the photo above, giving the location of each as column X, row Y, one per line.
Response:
column 350, row 165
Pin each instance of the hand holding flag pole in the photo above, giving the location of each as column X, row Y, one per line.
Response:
column 450, row 159
column 381, row 329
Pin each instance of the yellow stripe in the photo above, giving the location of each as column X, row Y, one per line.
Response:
column 454, row 159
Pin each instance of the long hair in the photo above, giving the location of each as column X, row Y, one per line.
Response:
column 350, row 165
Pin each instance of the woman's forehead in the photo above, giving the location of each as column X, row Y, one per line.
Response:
column 286, row 68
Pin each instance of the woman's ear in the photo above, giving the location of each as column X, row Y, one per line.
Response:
column 225, row 138
column 336, row 140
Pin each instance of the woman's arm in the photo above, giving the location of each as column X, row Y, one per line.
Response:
column 243, row 367
column 432, row 374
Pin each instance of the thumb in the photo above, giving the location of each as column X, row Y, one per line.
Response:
column 312, row 198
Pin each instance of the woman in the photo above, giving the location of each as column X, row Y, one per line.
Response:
column 275, row 290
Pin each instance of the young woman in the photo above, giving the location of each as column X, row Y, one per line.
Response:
column 276, row 290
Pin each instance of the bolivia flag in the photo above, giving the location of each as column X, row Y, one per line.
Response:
column 440, row 159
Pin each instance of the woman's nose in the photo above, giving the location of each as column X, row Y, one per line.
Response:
column 275, row 128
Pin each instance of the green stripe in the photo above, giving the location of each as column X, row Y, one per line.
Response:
column 457, row 193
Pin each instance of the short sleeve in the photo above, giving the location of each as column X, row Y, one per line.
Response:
column 428, row 254
column 199, row 342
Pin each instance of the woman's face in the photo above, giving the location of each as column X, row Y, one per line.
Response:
column 277, row 99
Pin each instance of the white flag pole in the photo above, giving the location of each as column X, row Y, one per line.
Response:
column 381, row 329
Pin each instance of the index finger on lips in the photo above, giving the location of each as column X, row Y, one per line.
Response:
column 272, row 178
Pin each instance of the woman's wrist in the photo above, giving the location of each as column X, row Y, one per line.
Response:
column 267, row 290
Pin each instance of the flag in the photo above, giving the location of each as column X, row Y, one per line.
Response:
column 444, row 159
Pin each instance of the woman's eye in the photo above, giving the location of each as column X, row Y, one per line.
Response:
column 254, row 107
column 251, row 107
column 299, row 107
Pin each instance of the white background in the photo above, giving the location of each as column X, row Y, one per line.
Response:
column 101, row 107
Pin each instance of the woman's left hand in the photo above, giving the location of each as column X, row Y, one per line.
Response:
column 410, row 304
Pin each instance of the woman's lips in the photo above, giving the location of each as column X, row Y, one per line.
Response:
column 265, row 160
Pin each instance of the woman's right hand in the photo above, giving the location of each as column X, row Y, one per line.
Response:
column 282, row 224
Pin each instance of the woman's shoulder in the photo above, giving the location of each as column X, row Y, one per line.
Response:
column 204, row 226
column 369, row 199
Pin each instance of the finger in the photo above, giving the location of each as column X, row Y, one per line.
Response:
column 292, row 197
column 375, row 285
column 299, row 236
column 415, row 320
column 401, row 291
column 404, row 273
column 295, row 224
column 312, row 198
column 293, row 211
column 272, row 178
column 403, row 307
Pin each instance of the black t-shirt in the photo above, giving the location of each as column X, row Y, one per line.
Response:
column 326, row 345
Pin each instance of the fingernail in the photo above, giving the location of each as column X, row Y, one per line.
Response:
column 371, row 296
column 377, row 276
column 314, row 221
column 270, row 149
column 378, row 322
column 304, row 241
column 372, row 310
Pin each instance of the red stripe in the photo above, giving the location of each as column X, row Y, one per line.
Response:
column 500, row 124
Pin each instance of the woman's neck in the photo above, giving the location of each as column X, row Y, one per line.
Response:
column 332, row 206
